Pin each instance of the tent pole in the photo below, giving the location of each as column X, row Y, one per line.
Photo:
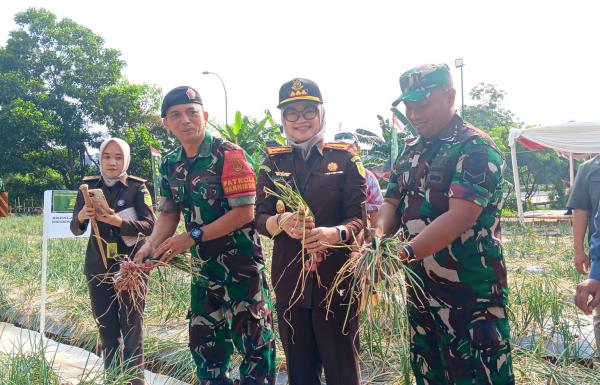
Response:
column 571, row 171
column 515, row 167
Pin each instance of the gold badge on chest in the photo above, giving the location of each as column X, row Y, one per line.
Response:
column 280, row 206
column 332, row 167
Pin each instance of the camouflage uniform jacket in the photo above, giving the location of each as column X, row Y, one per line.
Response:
column 206, row 187
column 461, row 162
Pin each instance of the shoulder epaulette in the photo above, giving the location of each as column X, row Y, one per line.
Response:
column 340, row 146
column 218, row 142
column 279, row 150
column 224, row 145
column 470, row 132
column 474, row 131
column 136, row 178
column 91, row 178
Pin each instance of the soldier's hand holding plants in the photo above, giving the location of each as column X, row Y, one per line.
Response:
column 173, row 246
column 147, row 250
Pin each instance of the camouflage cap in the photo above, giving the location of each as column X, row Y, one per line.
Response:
column 299, row 89
column 417, row 83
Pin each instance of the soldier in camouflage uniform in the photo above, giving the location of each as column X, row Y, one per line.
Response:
column 213, row 183
column 445, row 196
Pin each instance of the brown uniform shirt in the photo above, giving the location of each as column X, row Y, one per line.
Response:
column 333, row 186
column 119, row 197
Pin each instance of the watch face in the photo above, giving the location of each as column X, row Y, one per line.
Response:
column 342, row 232
column 195, row 233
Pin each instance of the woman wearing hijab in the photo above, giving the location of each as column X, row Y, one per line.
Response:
column 122, row 231
column 331, row 180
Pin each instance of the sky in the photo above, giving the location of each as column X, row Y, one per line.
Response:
column 544, row 54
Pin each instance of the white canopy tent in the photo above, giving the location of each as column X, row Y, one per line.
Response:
column 569, row 139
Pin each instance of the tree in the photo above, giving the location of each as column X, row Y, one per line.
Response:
column 488, row 113
column 537, row 169
column 30, row 186
column 140, row 139
column 58, row 83
column 52, row 72
column 25, row 139
column 250, row 134
column 124, row 105
column 380, row 146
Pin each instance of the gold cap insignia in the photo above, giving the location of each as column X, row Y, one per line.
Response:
column 297, row 89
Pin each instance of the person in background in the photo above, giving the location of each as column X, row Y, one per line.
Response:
column 374, row 196
column 583, row 200
column 591, row 286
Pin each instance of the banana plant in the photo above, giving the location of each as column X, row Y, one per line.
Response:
column 251, row 134
column 380, row 146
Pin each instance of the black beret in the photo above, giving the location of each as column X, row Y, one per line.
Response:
column 179, row 95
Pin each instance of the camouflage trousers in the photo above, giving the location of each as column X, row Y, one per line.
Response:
column 227, row 316
column 458, row 346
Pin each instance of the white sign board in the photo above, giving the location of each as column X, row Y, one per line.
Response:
column 58, row 212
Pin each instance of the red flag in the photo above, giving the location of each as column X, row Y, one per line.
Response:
column 530, row 144
column 154, row 151
column 397, row 124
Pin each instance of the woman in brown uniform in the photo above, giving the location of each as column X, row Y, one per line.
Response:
column 330, row 178
column 131, row 217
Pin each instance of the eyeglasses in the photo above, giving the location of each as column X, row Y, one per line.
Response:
column 292, row 115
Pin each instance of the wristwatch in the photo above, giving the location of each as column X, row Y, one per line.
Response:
column 196, row 234
column 342, row 233
column 410, row 252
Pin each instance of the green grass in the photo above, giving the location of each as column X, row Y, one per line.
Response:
column 540, row 307
column 24, row 369
column 33, row 368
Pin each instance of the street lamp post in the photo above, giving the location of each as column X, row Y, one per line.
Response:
column 459, row 63
column 224, row 90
